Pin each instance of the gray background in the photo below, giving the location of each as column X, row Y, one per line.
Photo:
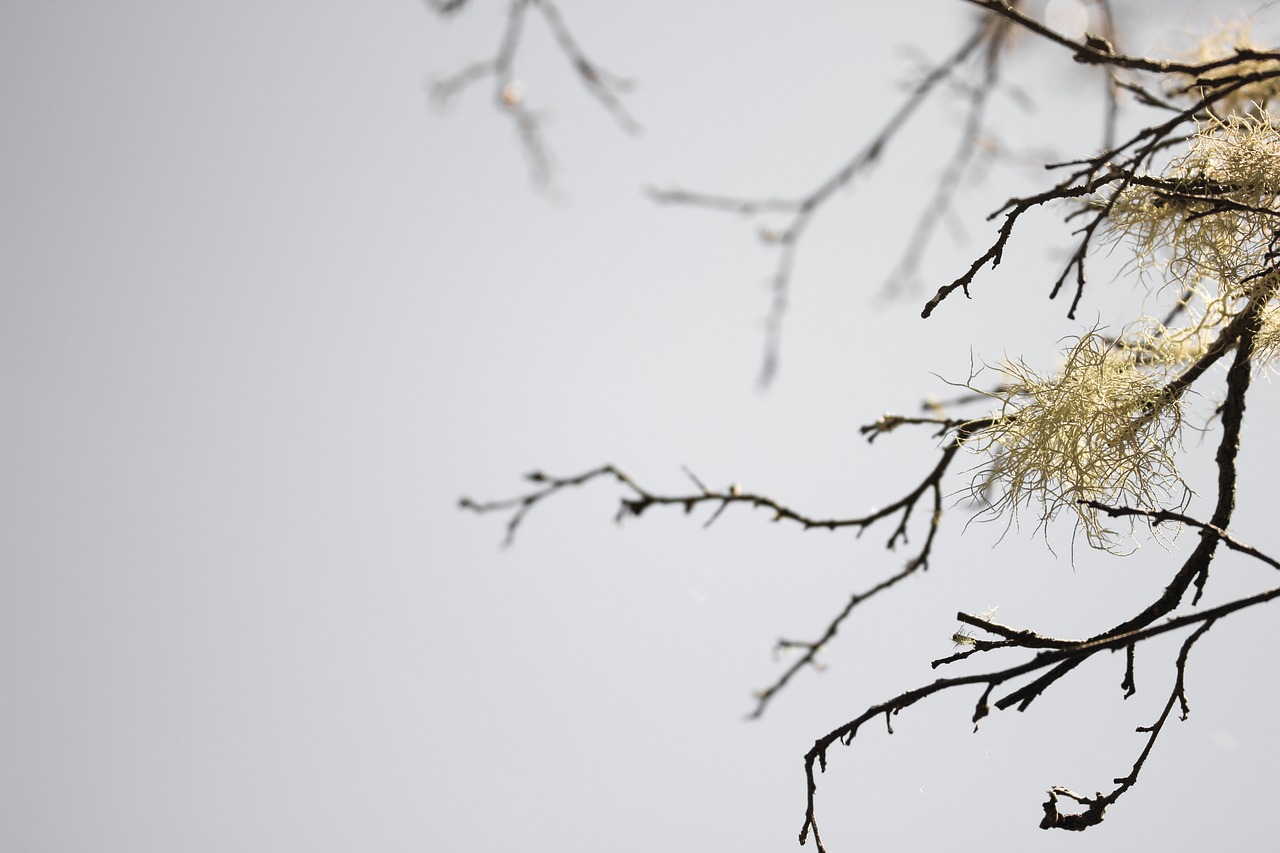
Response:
column 266, row 315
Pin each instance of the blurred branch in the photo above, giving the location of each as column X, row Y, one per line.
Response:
column 989, row 36
column 446, row 7
column 509, row 91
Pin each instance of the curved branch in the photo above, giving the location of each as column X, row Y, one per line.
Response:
column 1058, row 659
column 1099, row 51
column 642, row 499
column 1096, row 807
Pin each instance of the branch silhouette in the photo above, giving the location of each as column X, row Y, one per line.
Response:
column 1195, row 193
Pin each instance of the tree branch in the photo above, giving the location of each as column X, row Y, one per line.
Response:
column 509, row 92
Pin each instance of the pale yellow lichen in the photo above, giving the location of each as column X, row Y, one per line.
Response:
column 1106, row 427
column 1223, row 42
column 1266, row 341
column 1211, row 214
column 1164, row 350
column 1102, row 429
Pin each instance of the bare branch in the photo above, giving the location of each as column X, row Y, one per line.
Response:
column 509, row 92
column 642, row 499
column 446, row 7
column 802, row 208
column 1097, row 51
column 1060, row 661
column 1167, row 516
column 1096, row 807
column 812, row 648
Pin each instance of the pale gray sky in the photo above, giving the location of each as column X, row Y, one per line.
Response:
column 265, row 314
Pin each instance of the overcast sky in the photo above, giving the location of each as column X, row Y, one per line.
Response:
column 266, row 313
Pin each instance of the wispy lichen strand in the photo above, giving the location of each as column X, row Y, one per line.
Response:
column 1228, row 39
column 1101, row 429
column 1105, row 429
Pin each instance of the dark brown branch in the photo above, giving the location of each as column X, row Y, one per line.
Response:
column 1096, row 807
column 1096, row 51
column 642, row 499
column 1163, row 516
column 1013, row 638
column 1196, row 567
column 811, row 649
column 1117, row 169
column 918, row 563
column 522, row 504
column 889, row 422
column 1061, row 661
column 1016, row 636
column 1122, row 171
column 1015, row 208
